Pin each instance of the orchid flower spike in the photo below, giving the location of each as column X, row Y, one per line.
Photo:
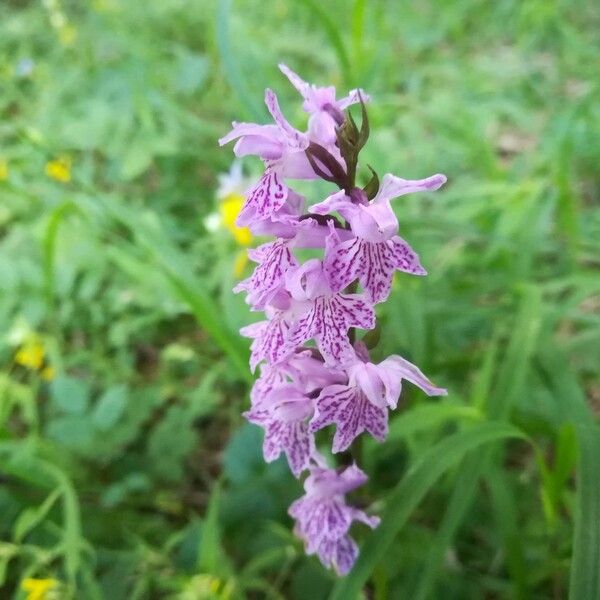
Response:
column 313, row 371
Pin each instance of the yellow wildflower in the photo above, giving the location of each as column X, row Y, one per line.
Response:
column 3, row 169
column 207, row 587
column 59, row 169
column 48, row 373
column 67, row 34
column 232, row 187
column 239, row 264
column 38, row 589
column 229, row 208
column 31, row 354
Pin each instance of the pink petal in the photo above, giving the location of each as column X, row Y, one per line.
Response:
column 353, row 98
column 295, row 138
column 395, row 368
column 338, row 202
column 296, row 81
column 392, row 187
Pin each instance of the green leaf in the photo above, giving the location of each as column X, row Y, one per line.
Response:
column 70, row 395
column 231, row 66
column 211, row 557
column 329, row 25
column 585, row 568
column 109, row 407
column 508, row 387
column 72, row 431
column 31, row 517
column 410, row 491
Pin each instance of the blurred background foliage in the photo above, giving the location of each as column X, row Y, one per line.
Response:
column 127, row 470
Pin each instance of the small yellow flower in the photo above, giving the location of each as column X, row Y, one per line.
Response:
column 31, row 355
column 59, row 169
column 229, row 208
column 48, row 373
column 239, row 264
column 67, row 34
column 38, row 589
column 3, row 169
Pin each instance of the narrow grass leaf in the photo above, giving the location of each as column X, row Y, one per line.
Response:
column 410, row 491
column 231, row 67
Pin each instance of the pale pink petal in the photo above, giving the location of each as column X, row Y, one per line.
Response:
column 291, row 438
column 353, row 97
column 269, row 340
column 301, row 85
column 338, row 202
column 295, row 138
column 343, row 554
column 392, row 187
column 395, row 368
column 343, row 263
column 404, row 258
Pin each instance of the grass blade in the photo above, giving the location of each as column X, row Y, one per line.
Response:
column 231, row 68
column 510, row 382
column 322, row 17
column 585, row 566
column 410, row 491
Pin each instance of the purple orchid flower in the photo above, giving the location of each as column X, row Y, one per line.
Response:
column 275, row 259
column 323, row 519
column 303, row 388
column 325, row 316
column 377, row 251
column 284, row 417
column 362, row 404
column 326, row 113
column 281, row 147
column 283, row 402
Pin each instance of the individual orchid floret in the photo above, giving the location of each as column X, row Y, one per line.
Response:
column 276, row 258
column 281, row 147
column 283, row 403
column 323, row 518
column 362, row 404
column 326, row 113
column 304, row 368
column 325, row 316
column 284, row 417
column 270, row 336
column 377, row 251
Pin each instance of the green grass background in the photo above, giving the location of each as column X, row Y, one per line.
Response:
column 132, row 474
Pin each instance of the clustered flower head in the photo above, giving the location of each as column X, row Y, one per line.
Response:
column 313, row 371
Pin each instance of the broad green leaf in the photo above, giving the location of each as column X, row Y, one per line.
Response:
column 70, row 395
column 109, row 407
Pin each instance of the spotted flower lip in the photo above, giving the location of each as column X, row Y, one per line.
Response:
column 318, row 283
column 323, row 519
